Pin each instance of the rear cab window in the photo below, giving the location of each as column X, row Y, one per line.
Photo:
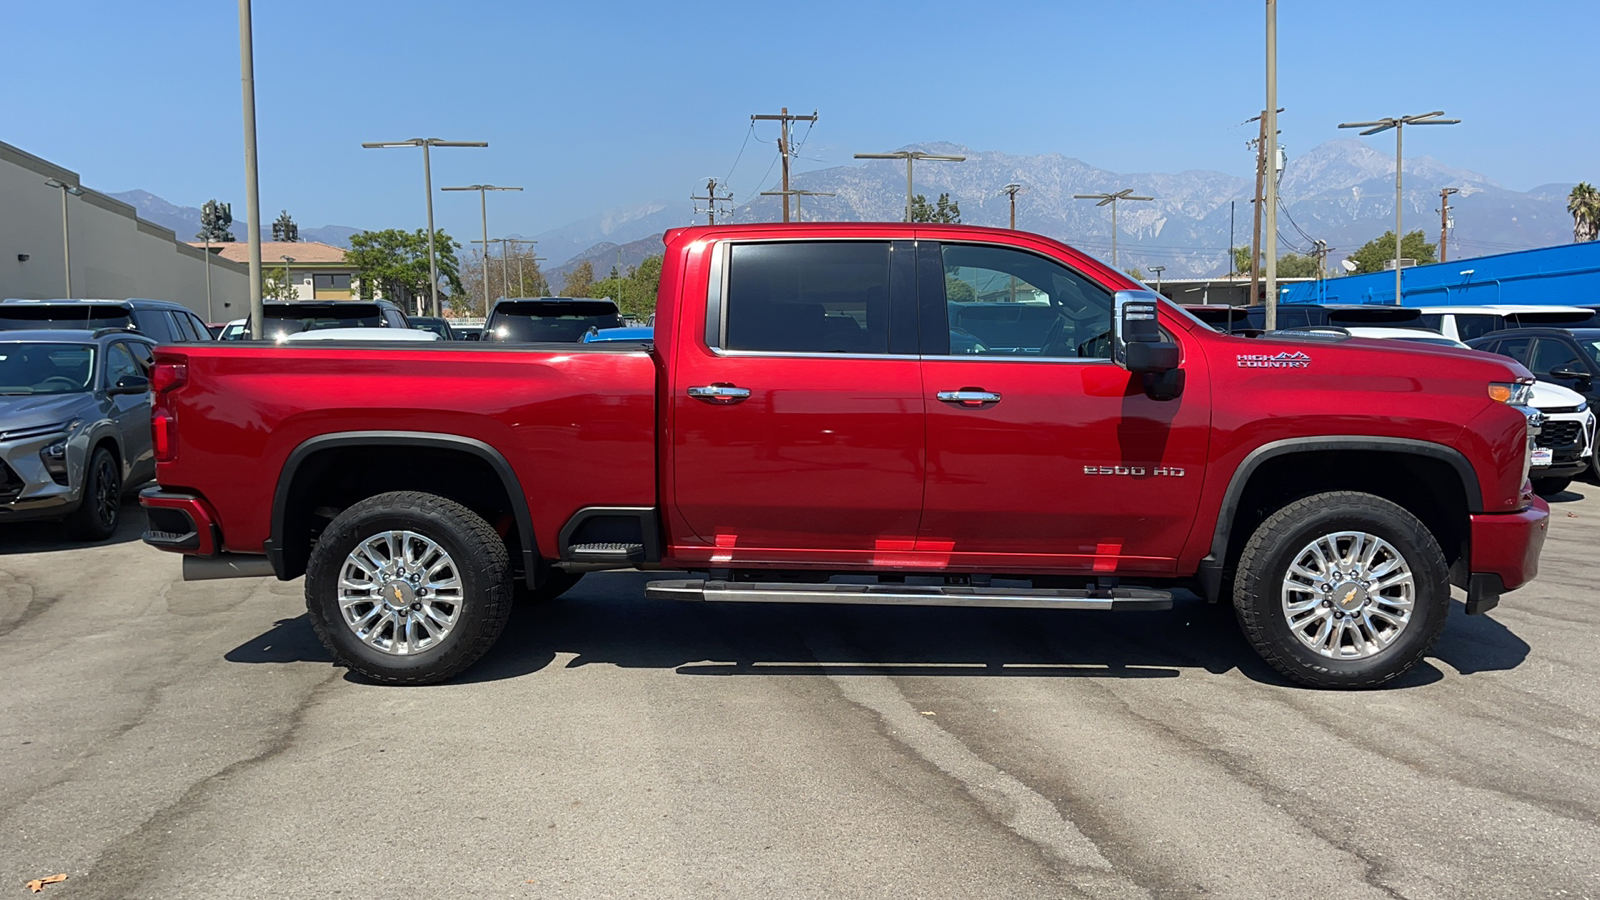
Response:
column 807, row 297
column 292, row 318
column 56, row 316
column 557, row 321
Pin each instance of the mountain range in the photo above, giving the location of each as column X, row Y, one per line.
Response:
column 1341, row 192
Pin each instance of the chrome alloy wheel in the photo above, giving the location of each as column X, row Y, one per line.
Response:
column 1348, row 595
column 400, row 592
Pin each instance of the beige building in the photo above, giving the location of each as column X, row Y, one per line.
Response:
column 315, row 271
column 114, row 254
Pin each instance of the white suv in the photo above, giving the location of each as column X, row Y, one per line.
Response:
column 1467, row 322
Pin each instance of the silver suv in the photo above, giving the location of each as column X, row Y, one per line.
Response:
column 74, row 426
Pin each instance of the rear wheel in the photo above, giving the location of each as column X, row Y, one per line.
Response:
column 408, row 588
column 97, row 515
column 1546, row 487
column 1342, row 590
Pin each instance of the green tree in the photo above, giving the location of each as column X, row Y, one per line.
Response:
column 956, row 290
column 1290, row 265
column 635, row 292
column 1135, row 274
column 1584, row 204
column 284, row 228
column 579, row 282
column 396, row 261
column 216, row 222
column 943, row 210
column 1374, row 253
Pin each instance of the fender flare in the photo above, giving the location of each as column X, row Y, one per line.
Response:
column 1211, row 566
column 497, row 462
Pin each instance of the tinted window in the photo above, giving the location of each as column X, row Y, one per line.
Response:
column 155, row 324
column 1556, row 319
column 282, row 319
column 142, row 355
column 1516, row 348
column 1006, row 302
column 181, row 328
column 561, row 321
column 120, row 363
column 826, row 297
column 21, row 317
column 198, row 326
column 1298, row 318
column 1472, row 325
column 45, row 368
column 1435, row 321
column 1551, row 355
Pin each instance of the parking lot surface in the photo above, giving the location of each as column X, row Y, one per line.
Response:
column 162, row 739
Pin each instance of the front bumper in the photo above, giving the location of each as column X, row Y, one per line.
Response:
column 27, row 492
column 1505, row 553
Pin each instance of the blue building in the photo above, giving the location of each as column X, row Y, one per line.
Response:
column 1566, row 274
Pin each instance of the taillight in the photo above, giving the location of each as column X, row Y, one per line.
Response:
column 167, row 376
column 163, row 433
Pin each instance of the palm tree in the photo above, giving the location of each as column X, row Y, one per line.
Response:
column 1584, row 204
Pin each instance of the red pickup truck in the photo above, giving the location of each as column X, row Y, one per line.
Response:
column 862, row 413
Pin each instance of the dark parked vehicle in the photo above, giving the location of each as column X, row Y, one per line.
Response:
column 467, row 332
column 163, row 321
column 1310, row 315
column 548, row 319
column 74, row 425
column 1569, row 357
column 435, row 324
column 291, row 317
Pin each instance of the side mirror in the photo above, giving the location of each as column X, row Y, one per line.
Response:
column 1569, row 373
column 131, row 384
column 1136, row 343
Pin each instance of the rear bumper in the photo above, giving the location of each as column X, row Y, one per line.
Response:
column 180, row 523
column 1505, row 553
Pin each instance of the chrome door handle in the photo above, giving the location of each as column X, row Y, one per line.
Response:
column 968, row 397
column 719, row 393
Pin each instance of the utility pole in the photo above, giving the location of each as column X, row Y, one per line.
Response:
column 1444, row 219
column 252, row 192
column 712, row 199
column 783, row 119
column 1255, row 240
column 797, row 194
column 1270, row 127
column 1012, row 190
column 1111, row 199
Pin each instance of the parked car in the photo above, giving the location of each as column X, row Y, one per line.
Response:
column 1467, row 323
column 1569, row 357
column 631, row 333
column 74, row 425
column 1137, row 451
column 548, row 319
column 467, row 332
column 403, row 335
column 161, row 320
column 436, row 324
column 237, row 330
column 284, row 318
column 1564, row 447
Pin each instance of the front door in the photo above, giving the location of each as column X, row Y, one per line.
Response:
column 798, row 415
column 1042, row 453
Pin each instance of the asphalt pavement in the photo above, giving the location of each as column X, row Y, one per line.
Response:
column 162, row 739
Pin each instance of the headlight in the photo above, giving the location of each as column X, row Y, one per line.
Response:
column 1583, row 407
column 1516, row 394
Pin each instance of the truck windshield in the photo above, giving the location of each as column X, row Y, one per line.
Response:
column 555, row 321
column 294, row 318
column 45, row 368
column 56, row 316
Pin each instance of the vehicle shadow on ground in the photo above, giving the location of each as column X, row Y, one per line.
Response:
column 49, row 537
column 606, row 620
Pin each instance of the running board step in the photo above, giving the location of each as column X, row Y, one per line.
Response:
column 1116, row 599
column 606, row 553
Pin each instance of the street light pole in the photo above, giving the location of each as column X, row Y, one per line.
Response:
column 1158, row 270
column 1399, row 123
column 427, row 182
column 483, row 210
column 211, row 314
column 1270, row 265
column 910, row 156
column 252, row 187
column 286, row 261
column 66, row 233
column 1012, row 190
column 1111, row 199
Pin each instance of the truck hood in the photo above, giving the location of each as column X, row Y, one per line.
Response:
column 30, row 411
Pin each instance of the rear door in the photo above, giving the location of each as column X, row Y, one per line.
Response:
column 798, row 412
column 131, row 412
column 1042, row 453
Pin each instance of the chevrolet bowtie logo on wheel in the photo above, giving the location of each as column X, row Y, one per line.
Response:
column 1284, row 360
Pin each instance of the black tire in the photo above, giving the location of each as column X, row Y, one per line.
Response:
column 1549, row 487
column 483, row 565
column 556, row 583
column 1259, row 593
column 100, row 510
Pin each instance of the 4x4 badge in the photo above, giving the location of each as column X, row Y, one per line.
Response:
column 1284, row 360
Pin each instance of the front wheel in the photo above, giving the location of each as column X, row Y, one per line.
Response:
column 98, row 513
column 1342, row 590
column 408, row 588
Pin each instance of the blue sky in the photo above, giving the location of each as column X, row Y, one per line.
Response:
column 595, row 105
